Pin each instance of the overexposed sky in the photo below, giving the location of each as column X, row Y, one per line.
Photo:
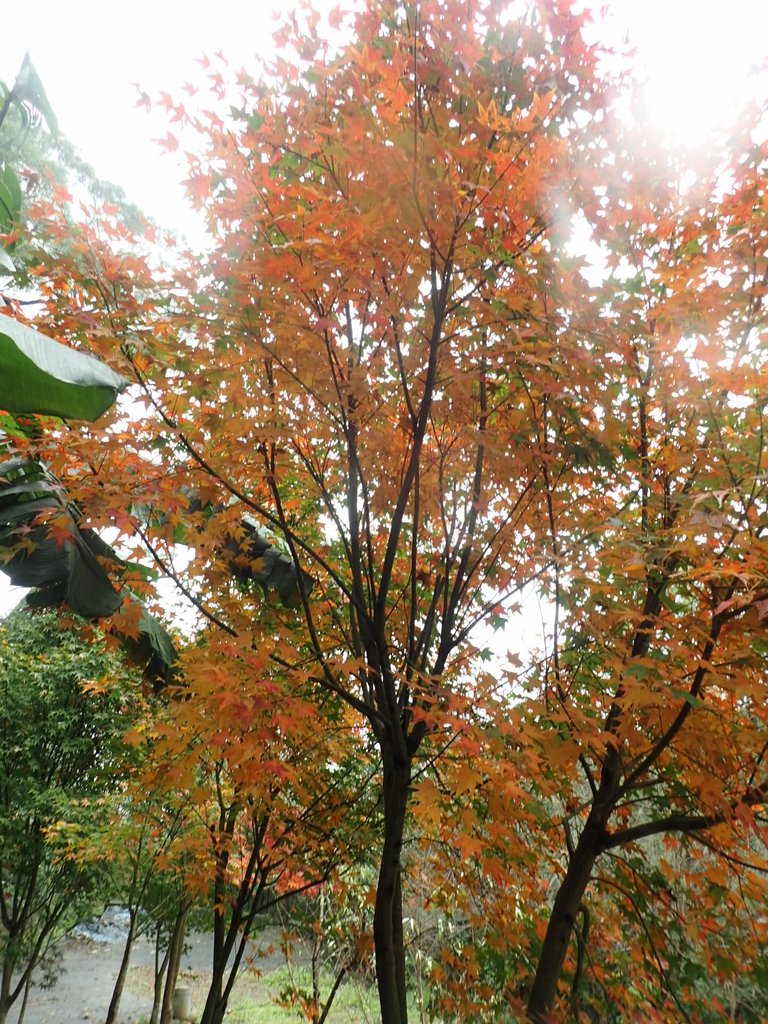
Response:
column 698, row 56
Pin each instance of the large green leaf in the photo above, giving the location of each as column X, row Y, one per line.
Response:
column 10, row 209
column 61, row 568
column 152, row 648
column 73, row 568
column 10, row 198
column 29, row 89
column 39, row 375
column 253, row 556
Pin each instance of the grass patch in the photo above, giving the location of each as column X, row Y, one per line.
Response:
column 254, row 998
column 356, row 1001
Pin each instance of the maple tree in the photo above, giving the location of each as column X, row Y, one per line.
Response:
column 393, row 358
column 646, row 718
column 658, row 672
column 382, row 226
column 278, row 803
column 141, row 831
column 331, row 923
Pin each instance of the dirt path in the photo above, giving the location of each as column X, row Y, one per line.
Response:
column 84, row 988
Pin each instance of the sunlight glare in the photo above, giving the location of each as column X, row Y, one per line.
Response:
column 699, row 59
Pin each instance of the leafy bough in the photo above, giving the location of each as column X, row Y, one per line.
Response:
column 46, row 548
column 43, row 544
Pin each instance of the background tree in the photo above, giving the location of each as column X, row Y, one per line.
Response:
column 646, row 718
column 656, row 680
column 60, row 755
column 135, row 841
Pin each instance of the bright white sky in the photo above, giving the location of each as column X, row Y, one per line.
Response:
column 697, row 55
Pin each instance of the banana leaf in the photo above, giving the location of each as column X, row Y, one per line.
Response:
column 39, row 375
column 61, row 566
column 71, row 566
column 251, row 553
column 253, row 557
column 46, row 549
column 29, row 89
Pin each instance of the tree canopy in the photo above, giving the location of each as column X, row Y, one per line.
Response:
column 60, row 758
column 397, row 363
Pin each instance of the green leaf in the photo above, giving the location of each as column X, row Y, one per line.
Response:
column 71, row 567
column 39, row 375
column 156, row 645
column 65, row 572
column 6, row 263
column 254, row 558
column 63, row 568
column 689, row 698
column 29, row 89
column 10, row 198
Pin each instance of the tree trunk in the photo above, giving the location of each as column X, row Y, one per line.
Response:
column 562, row 920
column 25, row 1000
column 229, row 941
column 316, row 944
column 117, row 991
column 175, row 947
column 7, row 999
column 161, row 964
column 388, row 912
column 215, row 1007
column 219, row 992
column 215, row 1003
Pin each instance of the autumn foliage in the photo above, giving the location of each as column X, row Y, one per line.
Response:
column 464, row 335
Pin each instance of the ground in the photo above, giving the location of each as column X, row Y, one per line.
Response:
column 84, row 988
